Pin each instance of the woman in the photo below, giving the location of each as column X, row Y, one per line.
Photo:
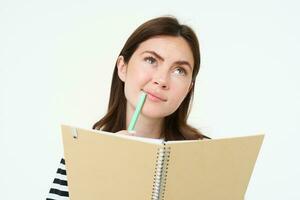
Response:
column 161, row 58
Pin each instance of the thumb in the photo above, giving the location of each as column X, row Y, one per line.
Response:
column 125, row 132
column 132, row 132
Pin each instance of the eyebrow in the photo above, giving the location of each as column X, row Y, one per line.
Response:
column 179, row 62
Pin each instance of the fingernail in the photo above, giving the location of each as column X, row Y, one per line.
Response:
column 132, row 131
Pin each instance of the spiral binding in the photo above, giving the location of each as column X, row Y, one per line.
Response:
column 161, row 170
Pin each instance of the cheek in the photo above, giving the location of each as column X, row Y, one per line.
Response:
column 178, row 94
column 135, row 81
column 139, row 76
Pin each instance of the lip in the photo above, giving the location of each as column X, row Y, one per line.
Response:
column 155, row 96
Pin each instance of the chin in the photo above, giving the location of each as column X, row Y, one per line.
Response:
column 156, row 115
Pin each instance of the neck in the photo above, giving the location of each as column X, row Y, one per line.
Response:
column 145, row 126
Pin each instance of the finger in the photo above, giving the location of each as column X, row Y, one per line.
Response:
column 132, row 132
column 125, row 132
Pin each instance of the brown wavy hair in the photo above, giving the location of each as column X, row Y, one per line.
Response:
column 175, row 126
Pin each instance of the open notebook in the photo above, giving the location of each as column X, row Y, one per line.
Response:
column 110, row 166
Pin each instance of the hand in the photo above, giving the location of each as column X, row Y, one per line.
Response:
column 126, row 132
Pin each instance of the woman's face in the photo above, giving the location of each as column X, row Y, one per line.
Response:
column 162, row 67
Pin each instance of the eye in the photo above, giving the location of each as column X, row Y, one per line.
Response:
column 180, row 71
column 150, row 60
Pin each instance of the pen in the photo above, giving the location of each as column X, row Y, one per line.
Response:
column 137, row 111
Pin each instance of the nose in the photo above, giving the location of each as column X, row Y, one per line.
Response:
column 160, row 79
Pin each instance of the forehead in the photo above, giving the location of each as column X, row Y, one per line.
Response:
column 169, row 47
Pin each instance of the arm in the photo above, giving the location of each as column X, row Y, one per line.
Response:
column 59, row 188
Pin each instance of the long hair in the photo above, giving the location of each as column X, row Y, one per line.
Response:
column 175, row 126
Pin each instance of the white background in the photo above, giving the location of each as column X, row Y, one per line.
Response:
column 56, row 62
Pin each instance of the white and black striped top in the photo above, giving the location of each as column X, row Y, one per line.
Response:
column 59, row 189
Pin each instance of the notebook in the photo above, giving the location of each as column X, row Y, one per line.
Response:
column 111, row 166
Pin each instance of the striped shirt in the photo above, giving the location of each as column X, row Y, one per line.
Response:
column 59, row 189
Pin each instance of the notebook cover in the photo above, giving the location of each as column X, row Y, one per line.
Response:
column 211, row 169
column 105, row 167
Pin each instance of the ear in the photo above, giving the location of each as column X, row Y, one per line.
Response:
column 122, row 68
